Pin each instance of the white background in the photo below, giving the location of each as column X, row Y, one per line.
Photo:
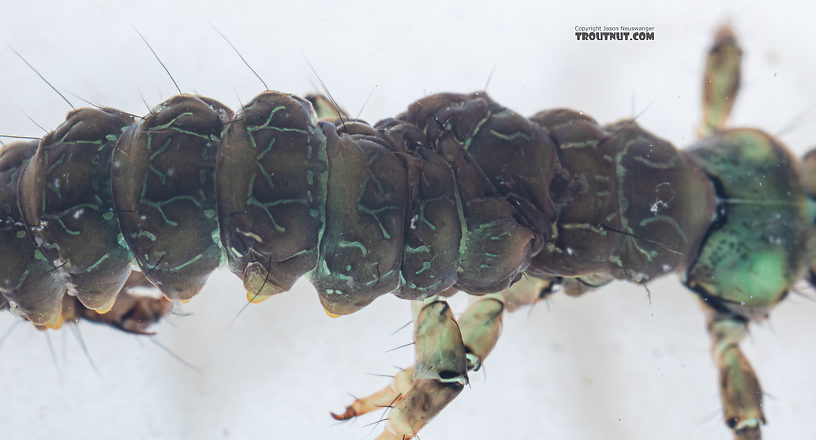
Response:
column 607, row 366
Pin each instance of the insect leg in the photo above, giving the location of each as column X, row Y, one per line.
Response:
column 721, row 80
column 419, row 392
column 740, row 391
column 438, row 375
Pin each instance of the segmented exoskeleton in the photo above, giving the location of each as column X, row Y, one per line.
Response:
column 457, row 192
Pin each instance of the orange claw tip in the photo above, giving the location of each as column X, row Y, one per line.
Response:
column 348, row 414
column 330, row 315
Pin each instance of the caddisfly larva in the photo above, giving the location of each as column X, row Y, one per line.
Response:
column 495, row 373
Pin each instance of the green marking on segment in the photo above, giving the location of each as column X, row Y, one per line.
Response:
column 183, row 197
column 413, row 250
column 325, row 267
column 460, row 211
column 510, row 137
column 39, row 256
column 255, row 202
column 374, row 213
column 54, row 189
column 249, row 234
column 150, row 236
column 25, row 275
column 371, row 176
column 649, row 255
column 209, row 213
column 170, row 123
column 98, row 262
column 120, row 238
column 268, row 118
column 158, row 207
column 425, row 266
column 667, row 219
column 587, row 226
column 620, row 171
column 281, row 129
column 356, row 244
column 65, row 227
column 60, row 160
column 185, row 264
column 402, row 279
column 206, row 137
column 658, row 165
column 266, row 175
column 592, row 143
column 111, row 137
column 267, row 149
column 158, row 173
column 251, row 185
column 67, row 132
column 476, row 130
column 107, row 216
column 161, row 149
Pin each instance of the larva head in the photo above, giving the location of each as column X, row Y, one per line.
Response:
column 756, row 249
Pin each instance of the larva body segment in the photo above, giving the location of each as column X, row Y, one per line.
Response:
column 272, row 206
column 163, row 177
column 67, row 205
column 24, row 268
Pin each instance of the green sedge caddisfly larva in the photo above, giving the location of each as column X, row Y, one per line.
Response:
column 744, row 103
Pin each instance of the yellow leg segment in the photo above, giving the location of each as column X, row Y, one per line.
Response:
column 740, row 391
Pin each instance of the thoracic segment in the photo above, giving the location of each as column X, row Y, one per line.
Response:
column 455, row 192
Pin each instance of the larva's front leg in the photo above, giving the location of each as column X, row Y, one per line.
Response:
column 438, row 375
column 439, row 372
column 419, row 392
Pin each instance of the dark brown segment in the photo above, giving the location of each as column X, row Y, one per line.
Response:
column 631, row 205
column 585, row 192
column 271, row 178
column 66, row 199
column 361, row 246
column 28, row 280
column 495, row 247
column 163, row 179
